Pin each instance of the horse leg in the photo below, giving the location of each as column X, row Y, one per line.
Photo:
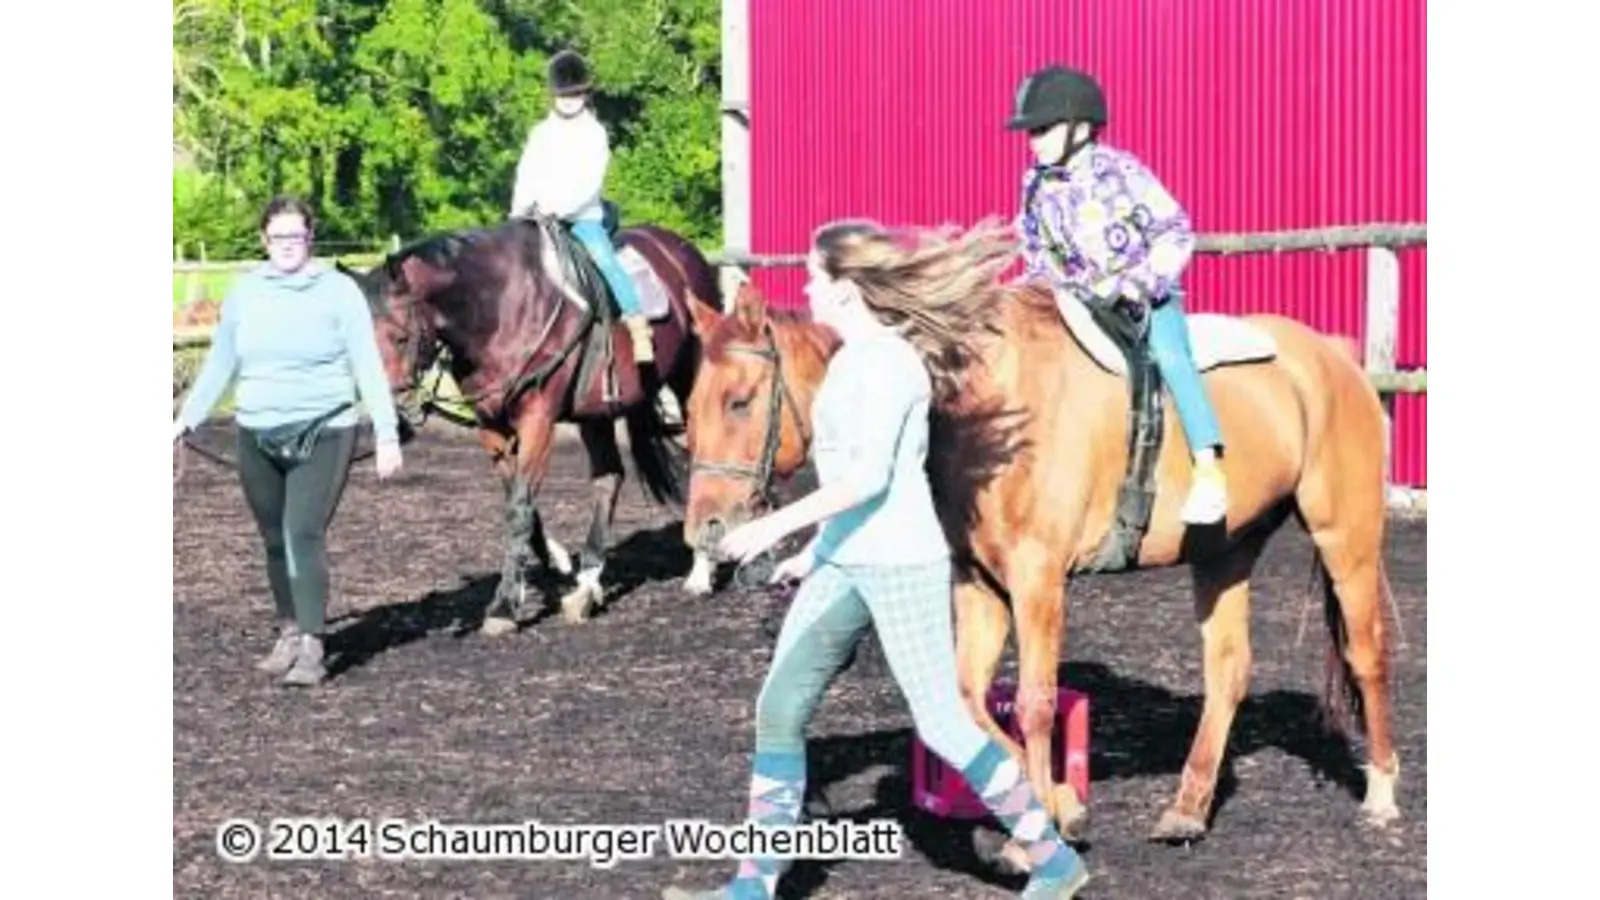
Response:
column 1341, row 504
column 982, row 625
column 550, row 552
column 1357, row 594
column 1035, row 573
column 1353, row 583
column 606, row 475
column 1222, row 606
column 535, row 425
column 699, row 581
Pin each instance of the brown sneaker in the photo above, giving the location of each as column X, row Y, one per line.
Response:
column 308, row 669
column 282, row 654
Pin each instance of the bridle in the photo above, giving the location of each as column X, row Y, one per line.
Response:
column 412, row 409
column 778, row 391
column 417, row 400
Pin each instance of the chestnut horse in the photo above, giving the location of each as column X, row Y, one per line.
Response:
column 1027, row 465
column 533, row 340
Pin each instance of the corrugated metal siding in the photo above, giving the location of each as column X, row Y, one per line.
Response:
column 1258, row 116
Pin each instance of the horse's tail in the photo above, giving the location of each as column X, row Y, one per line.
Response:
column 659, row 460
column 1341, row 693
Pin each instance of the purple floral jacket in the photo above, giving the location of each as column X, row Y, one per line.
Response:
column 1104, row 227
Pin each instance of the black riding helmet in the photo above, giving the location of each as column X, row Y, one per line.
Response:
column 1056, row 94
column 569, row 74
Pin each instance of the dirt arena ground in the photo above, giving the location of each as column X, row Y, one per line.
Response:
column 644, row 713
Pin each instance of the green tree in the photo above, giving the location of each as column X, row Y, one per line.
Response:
column 407, row 116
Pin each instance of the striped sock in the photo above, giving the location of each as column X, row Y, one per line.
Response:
column 777, row 789
column 997, row 778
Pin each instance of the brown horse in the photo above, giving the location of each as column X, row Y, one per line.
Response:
column 1029, row 467
column 533, row 339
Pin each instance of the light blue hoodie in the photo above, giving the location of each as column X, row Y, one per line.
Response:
column 301, row 344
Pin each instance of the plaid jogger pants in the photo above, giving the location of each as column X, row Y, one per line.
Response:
column 910, row 607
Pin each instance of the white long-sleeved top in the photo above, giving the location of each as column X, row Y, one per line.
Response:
column 563, row 167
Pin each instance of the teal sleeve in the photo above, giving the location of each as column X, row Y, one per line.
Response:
column 222, row 362
column 361, row 344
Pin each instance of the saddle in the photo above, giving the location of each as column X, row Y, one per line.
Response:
column 1119, row 343
column 608, row 380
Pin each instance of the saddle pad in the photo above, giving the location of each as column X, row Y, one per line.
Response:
column 653, row 299
column 1217, row 340
column 652, row 291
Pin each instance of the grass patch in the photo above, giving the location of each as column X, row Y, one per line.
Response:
column 196, row 286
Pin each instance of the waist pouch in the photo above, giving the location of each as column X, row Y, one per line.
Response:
column 292, row 443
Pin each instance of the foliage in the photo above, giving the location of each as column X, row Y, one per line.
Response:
column 407, row 116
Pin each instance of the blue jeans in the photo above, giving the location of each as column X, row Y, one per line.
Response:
column 1169, row 344
column 594, row 238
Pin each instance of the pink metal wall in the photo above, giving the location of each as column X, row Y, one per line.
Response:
column 1258, row 116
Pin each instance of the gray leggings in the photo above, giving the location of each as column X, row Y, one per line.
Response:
column 293, row 505
column 910, row 607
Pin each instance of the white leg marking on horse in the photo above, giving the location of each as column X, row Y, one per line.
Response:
column 1380, row 807
column 560, row 559
column 582, row 600
column 698, row 583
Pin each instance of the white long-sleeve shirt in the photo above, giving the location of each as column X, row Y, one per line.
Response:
column 563, row 167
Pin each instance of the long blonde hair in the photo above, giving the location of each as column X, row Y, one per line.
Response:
column 937, row 286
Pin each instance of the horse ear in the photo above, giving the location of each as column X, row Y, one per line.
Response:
column 750, row 307
column 703, row 318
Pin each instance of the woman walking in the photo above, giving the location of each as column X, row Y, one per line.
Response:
column 880, row 558
column 299, row 337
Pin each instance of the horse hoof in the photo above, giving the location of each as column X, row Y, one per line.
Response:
column 1178, row 828
column 1380, row 817
column 576, row 606
column 495, row 626
column 697, row 587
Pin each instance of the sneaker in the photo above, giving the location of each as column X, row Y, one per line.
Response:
column 1208, row 496
column 282, row 655
column 308, row 668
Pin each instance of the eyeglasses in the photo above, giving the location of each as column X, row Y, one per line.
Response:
column 296, row 238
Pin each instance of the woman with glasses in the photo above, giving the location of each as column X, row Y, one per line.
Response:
column 296, row 337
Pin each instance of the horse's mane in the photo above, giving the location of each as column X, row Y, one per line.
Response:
column 447, row 249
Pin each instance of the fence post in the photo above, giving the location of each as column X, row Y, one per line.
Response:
column 735, row 137
column 1383, row 337
column 192, row 289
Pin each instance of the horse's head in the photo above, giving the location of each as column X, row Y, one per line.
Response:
column 397, row 291
column 749, row 414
